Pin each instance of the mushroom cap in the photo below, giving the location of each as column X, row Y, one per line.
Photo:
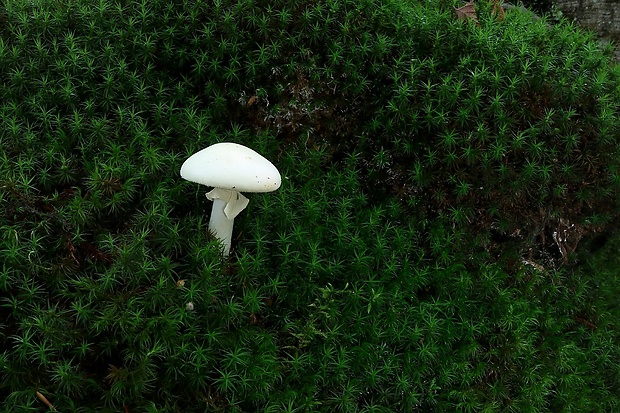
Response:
column 231, row 166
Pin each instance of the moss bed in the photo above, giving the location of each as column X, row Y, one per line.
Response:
column 443, row 240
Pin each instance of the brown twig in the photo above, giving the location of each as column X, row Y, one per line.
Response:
column 586, row 323
column 45, row 401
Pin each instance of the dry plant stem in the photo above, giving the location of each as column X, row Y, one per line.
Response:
column 45, row 401
column 220, row 225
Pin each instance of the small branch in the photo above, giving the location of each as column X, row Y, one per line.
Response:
column 586, row 323
column 45, row 401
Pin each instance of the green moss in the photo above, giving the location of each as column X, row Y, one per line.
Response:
column 407, row 263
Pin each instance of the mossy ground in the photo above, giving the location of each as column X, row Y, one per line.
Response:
column 443, row 239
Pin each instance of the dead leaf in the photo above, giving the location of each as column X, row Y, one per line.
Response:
column 498, row 10
column 467, row 12
column 252, row 100
column 253, row 319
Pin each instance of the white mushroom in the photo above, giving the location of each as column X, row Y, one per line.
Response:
column 229, row 168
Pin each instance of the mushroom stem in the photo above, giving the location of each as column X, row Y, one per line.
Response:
column 220, row 225
column 227, row 204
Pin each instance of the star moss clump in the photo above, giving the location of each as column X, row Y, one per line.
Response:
column 413, row 146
